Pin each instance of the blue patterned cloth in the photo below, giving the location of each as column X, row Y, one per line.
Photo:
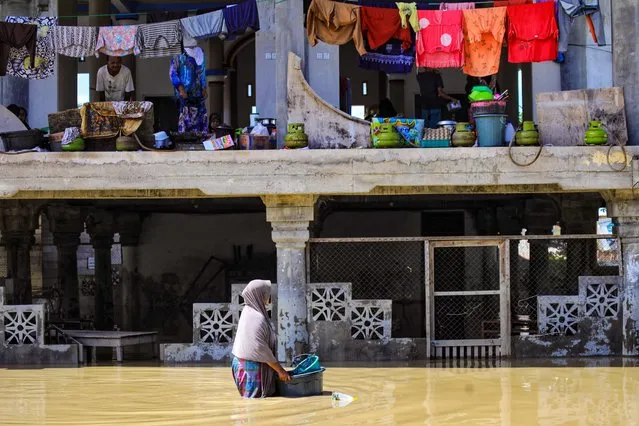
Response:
column 248, row 377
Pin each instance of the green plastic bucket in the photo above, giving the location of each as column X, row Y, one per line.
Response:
column 491, row 129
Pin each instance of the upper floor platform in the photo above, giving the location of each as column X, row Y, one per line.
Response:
column 183, row 174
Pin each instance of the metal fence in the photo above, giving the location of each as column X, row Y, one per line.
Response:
column 465, row 278
column 378, row 269
column 552, row 267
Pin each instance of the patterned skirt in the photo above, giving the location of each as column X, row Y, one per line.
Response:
column 248, row 377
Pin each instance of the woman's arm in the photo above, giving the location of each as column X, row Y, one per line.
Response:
column 281, row 373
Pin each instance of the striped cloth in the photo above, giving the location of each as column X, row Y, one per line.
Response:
column 76, row 42
column 161, row 39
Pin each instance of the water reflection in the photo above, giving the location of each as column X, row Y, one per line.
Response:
column 445, row 395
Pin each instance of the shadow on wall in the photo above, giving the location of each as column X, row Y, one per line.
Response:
column 185, row 259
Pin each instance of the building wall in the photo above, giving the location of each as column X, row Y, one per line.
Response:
column 174, row 248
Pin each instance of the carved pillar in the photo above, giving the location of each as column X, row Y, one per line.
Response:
column 626, row 215
column 290, row 217
column 67, row 223
column 129, row 227
column 18, row 222
column 101, row 227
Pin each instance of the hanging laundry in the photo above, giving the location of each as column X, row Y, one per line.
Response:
column 456, row 6
column 390, row 58
column 157, row 40
column 76, row 42
column 440, row 40
column 571, row 9
column 242, row 17
column 203, row 26
column 334, row 23
column 408, row 15
column 532, row 33
column 380, row 25
column 16, row 36
column 20, row 63
column 484, row 31
column 117, row 41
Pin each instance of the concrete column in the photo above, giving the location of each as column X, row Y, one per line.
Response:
column 101, row 227
column 625, row 212
column 217, row 80
column 323, row 71
column 18, row 222
column 67, row 223
column 129, row 227
column 97, row 7
column 265, row 64
column 15, row 90
column 129, row 61
column 290, row 36
column 625, row 60
column 290, row 217
column 67, row 73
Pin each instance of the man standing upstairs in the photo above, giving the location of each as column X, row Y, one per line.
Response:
column 115, row 82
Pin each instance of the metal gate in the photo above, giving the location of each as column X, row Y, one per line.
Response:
column 468, row 299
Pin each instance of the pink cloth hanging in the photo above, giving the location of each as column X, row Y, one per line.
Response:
column 440, row 41
column 456, row 6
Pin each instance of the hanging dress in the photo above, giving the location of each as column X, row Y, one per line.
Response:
column 532, row 33
column 440, row 40
column 484, row 31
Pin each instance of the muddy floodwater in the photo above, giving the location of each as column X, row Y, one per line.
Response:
column 438, row 396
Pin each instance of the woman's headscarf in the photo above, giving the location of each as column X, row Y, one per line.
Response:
column 255, row 338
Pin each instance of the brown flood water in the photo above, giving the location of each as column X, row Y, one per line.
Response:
column 437, row 396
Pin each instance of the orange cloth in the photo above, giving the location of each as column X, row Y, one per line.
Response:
column 484, row 31
column 334, row 23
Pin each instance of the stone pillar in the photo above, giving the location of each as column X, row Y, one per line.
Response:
column 129, row 61
column 217, row 78
column 129, row 227
column 625, row 212
column 290, row 36
column 67, row 223
column 97, row 7
column 264, row 60
column 18, row 222
column 15, row 90
column 625, row 60
column 101, row 227
column 67, row 73
column 290, row 217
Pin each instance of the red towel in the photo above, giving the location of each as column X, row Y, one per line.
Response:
column 532, row 33
column 380, row 25
column 440, row 42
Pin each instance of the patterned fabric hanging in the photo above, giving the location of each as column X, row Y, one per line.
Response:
column 19, row 59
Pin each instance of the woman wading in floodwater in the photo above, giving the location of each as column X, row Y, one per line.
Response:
column 254, row 363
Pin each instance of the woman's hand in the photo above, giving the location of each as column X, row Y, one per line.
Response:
column 284, row 376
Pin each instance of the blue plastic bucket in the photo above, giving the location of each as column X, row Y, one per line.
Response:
column 491, row 129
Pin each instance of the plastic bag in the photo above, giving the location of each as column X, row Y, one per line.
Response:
column 260, row 130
